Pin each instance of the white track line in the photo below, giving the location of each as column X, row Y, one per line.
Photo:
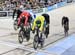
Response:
column 24, row 47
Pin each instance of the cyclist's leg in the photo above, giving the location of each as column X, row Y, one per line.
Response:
column 48, row 29
column 66, row 30
column 44, row 27
column 15, row 24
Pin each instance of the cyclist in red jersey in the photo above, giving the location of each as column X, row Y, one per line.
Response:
column 26, row 17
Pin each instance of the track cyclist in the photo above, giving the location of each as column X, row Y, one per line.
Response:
column 47, row 19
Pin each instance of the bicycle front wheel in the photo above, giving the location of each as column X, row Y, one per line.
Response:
column 20, row 37
column 35, row 42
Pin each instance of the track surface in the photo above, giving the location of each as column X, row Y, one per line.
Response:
column 9, row 39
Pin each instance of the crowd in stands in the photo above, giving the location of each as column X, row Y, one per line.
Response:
column 9, row 5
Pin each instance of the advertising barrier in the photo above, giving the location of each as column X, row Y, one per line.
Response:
column 61, row 4
column 56, row 6
column 40, row 10
column 5, row 13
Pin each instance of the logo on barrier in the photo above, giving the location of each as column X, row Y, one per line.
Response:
column 50, row 8
column 3, row 14
column 38, row 10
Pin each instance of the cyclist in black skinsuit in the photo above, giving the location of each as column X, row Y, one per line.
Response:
column 65, row 24
column 16, row 11
column 47, row 19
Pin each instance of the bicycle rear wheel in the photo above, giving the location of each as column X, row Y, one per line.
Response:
column 35, row 42
column 28, row 36
column 15, row 25
column 42, row 41
column 20, row 37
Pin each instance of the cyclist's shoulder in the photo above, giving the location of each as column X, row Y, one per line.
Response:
column 40, row 16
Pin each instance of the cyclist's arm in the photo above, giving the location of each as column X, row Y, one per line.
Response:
column 14, row 13
column 26, row 20
column 68, row 21
column 34, row 23
column 42, row 23
column 19, row 20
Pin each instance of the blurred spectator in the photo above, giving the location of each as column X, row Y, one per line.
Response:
column 9, row 5
column 0, row 6
column 28, row 6
column 49, row 3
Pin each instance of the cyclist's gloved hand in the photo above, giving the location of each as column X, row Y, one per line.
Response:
column 33, row 31
column 12, row 18
column 40, row 29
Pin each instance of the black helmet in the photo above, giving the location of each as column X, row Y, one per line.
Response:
column 23, row 19
column 38, row 22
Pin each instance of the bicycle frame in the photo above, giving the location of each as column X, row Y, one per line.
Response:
column 37, row 31
column 25, row 32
